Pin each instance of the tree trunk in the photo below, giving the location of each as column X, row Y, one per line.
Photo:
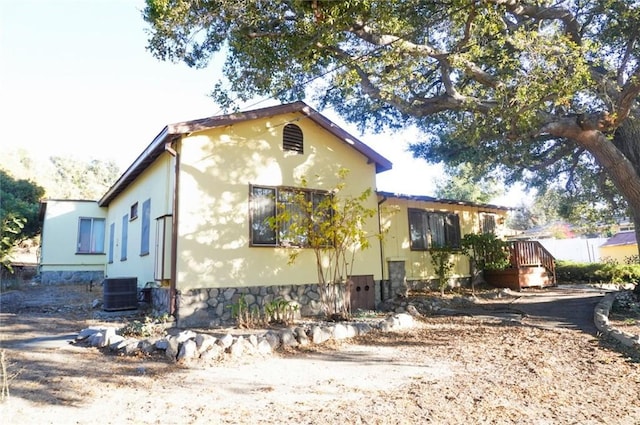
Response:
column 627, row 140
column 620, row 159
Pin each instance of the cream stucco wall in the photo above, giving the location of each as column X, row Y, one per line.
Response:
column 156, row 184
column 618, row 252
column 394, row 220
column 217, row 168
column 60, row 237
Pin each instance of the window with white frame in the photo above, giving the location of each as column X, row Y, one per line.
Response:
column 91, row 233
column 428, row 229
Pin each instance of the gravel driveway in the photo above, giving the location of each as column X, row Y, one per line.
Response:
column 468, row 369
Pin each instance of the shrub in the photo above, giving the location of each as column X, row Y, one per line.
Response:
column 441, row 259
column 570, row 271
column 486, row 251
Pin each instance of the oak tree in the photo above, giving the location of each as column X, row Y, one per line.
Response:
column 542, row 91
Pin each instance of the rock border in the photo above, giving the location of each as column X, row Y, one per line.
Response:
column 601, row 320
column 188, row 346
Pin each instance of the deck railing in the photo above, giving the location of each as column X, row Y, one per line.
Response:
column 532, row 254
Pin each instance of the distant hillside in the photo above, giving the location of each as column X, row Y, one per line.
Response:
column 62, row 177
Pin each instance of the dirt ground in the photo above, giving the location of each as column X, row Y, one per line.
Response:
column 448, row 370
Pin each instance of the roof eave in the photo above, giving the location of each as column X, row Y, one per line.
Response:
column 155, row 148
column 424, row 198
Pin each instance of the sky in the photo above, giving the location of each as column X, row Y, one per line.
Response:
column 76, row 80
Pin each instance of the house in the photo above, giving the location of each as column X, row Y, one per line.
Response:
column 620, row 247
column 413, row 224
column 189, row 216
column 72, row 242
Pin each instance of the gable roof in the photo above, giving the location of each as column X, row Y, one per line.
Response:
column 441, row 201
column 173, row 132
column 622, row 238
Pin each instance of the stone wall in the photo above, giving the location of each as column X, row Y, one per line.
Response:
column 160, row 301
column 397, row 285
column 71, row 277
column 213, row 306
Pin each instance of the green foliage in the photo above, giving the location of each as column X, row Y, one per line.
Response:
column 461, row 184
column 11, row 230
column 147, row 327
column 515, row 89
column 77, row 179
column 486, row 251
column 62, row 177
column 245, row 317
column 278, row 311
column 442, row 260
column 19, row 208
column 569, row 271
column 334, row 228
column 632, row 259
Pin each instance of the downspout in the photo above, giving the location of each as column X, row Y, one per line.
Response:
column 380, row 202
column 174, row 227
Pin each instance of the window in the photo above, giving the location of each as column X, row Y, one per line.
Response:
column 133, row 213
column 112, row 237
column 487, row 223
column 433, row 229
column 292, row 139
column 91, row 236
column 264, row 207
column 125, row 235
column 146, row 222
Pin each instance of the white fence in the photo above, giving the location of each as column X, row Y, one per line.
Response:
column 577, row 249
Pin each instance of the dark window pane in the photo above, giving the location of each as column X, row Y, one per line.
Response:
column 292, row 139
column 418, row 229
column 263, row 207
column 453, row 230
column 437, row 230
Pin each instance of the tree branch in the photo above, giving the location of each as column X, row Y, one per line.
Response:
column 552, row 155
column 628, row 97
column 571, row 25
column 366, row 33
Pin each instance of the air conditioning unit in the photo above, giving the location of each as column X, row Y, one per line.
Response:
column 120, row 294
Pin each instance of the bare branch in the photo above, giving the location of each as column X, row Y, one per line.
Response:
column 631, row 44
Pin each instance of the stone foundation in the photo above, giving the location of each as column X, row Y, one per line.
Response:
column 160, row 301
column 432, row 284
column 71, row 277
column 211, row 307
column 396, row 286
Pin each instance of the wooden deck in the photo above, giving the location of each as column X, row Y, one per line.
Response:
column 531, row 265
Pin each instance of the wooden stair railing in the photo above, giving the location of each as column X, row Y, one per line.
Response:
column 532, row 254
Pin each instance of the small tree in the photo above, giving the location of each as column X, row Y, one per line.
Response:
column 333, row 226
column 486, row 252
column 19, row 206
column 442, row 260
